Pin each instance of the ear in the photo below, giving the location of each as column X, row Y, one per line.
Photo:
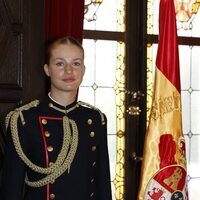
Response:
column 46, row 70
column 83, row 69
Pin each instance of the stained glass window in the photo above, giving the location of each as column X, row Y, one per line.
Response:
column 104, row 81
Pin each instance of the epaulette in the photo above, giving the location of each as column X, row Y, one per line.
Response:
column 94, row 108
column 19, row 110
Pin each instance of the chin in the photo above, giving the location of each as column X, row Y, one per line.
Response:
column 65, row 88
column 70, row 89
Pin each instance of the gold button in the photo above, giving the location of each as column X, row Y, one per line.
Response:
column 89, row 121
column 52, row 196
column 92, row 180
column 44, row 121
column 50, row 105
column 93, row 148
column 49, row 148
column 92, row 194
column 47, row 134
column 92, row 134
column 93, row 164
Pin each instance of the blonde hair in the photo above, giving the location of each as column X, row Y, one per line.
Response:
column 61, row 40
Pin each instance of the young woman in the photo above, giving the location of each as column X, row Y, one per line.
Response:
column 57, row 148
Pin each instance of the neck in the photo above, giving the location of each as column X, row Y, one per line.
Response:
column 63, row 99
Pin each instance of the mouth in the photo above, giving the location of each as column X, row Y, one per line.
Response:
column 68, row 80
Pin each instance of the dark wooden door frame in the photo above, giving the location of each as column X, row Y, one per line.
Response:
column 135, row 81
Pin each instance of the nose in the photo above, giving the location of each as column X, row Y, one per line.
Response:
column 68, row 68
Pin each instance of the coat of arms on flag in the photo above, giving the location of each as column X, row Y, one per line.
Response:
column 169, row 181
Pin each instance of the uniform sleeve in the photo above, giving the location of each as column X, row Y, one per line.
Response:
column 13, row 172
column 103, row 168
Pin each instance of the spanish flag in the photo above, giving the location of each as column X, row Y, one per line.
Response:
column 163, row 173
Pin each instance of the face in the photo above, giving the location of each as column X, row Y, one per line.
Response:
column 66, row 68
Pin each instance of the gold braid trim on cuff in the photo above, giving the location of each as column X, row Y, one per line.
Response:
column 65, row 157
column 94, row 108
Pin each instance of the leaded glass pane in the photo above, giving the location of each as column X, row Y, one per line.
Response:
column 193, row 187
column 188, row 17
column 195, row 112
column 105, row 99
column 90, row 61
column 106, row 62
column 185, row 60
column 195, row 68
column 106, row 16
column 195, row 157
column 87, row 94
column 186, row 111
column 154, row 6
column 196, row 25
column 100, row 62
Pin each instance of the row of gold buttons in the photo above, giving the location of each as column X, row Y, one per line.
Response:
column 47, row 135
column 49, row 149
column 93, row 149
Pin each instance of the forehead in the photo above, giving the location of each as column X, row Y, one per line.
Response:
column 68, row 49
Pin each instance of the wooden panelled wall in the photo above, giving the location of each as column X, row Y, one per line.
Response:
column 21, row 55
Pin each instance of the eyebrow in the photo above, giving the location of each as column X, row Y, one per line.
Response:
column 64, row 59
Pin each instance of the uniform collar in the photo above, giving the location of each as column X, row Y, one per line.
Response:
column 59, row 107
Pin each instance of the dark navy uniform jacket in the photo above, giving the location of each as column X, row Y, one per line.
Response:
column 41, row 139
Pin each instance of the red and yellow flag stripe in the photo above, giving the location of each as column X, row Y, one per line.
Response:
column 163, row 174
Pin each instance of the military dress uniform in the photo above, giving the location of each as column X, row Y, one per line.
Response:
column 56, row 152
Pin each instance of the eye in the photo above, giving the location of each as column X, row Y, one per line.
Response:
column 59, row 64
column 76, row 64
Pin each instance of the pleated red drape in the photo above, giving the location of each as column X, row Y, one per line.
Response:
column 64, row 17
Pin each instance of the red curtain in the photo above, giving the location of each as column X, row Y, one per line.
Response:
column 64, row 17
